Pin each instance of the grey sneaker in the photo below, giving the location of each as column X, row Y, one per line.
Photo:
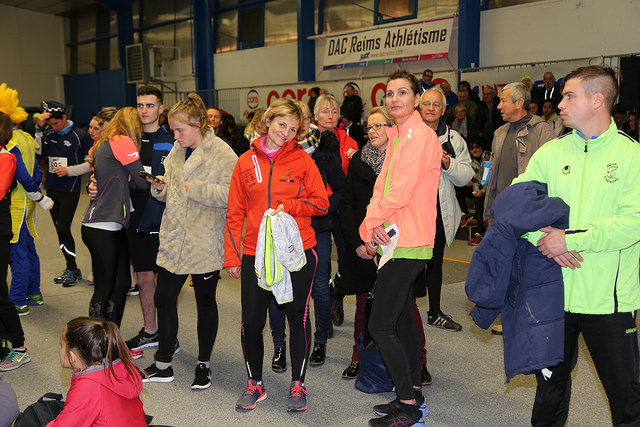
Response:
column 14, row 360
column 252, row 395
column 297, row 401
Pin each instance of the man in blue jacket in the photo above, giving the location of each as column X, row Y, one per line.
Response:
column 595, row 171
column 144, row 227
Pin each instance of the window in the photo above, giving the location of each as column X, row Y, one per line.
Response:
column 251, row 27
column 245, row 24
column 394, row 10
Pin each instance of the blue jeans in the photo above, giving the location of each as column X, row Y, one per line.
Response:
column 25, row 268
column 277, row 325
column 321, row 290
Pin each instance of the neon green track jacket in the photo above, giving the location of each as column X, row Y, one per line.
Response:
column 600, row 181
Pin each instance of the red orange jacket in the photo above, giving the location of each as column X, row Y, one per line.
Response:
column 258, row 184
column 346, row 142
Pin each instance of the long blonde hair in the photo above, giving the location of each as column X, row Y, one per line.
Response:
column 125, row 122
column 195, row 111
column 256, row 125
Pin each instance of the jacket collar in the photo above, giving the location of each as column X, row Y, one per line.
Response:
column 406, row 128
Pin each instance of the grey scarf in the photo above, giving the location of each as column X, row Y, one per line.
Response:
column 373, row 158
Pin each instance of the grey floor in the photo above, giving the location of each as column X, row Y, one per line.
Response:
column 468, row 373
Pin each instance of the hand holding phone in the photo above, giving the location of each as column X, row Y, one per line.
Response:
column 149, row 177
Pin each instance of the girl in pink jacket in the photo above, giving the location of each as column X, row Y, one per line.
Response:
column 106, row 384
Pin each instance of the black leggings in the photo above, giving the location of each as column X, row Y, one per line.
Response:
column 64, row 207
column 434, row 267
column 166, row 299
column 255, row 301
column 10, row 326
column 110, row 264
column 392, row 324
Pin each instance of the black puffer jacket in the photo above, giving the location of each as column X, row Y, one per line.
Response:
column 327, row 158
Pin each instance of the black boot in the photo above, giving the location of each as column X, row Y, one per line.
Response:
column 318, row 354
column 352, row 370
column 279, row 361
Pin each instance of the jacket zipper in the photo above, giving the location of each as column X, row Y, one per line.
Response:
column 584, row 168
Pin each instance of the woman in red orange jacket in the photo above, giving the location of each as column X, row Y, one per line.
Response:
column 275, row 173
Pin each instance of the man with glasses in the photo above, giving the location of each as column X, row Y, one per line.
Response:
column 455, row 170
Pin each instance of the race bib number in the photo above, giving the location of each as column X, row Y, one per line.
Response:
column 54, row 162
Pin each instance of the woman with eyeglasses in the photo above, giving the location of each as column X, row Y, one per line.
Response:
column 358, row 271
column 455, row 171
column 404, row 199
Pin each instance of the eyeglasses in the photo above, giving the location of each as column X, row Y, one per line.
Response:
column 375, row 126
column 428, row 104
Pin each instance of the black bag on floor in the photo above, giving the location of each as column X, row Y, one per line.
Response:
column 39, row 414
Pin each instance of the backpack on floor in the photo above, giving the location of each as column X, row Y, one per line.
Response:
column 373, row 376
column 39, row 414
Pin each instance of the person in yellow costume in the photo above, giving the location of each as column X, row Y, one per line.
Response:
column 25, row 264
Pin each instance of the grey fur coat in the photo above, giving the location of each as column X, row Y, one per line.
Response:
column 192, row 228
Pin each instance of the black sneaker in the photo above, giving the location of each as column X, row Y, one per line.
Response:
column 398, row 416
column 443, row 321
column 203, row 377
column 384, row 408
column 143, row 340
column 155, row 375
column 176, row 348
column 318, row 354
column 134, row 290
column 279, row 361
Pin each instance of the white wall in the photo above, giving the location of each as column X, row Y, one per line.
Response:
column 558, row 30
column 33, row 54
column 254, row 67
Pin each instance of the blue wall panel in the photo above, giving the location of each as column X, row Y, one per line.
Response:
column 89, row 93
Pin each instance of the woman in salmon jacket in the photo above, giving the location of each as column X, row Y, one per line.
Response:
column 405, row 196
column 275, row 173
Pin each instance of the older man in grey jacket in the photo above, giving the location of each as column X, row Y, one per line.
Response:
column 514, row 142
column 513, row 145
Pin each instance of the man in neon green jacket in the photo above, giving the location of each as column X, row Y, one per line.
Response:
column 595, row 171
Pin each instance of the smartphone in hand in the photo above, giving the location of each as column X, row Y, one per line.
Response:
column 145, row 174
